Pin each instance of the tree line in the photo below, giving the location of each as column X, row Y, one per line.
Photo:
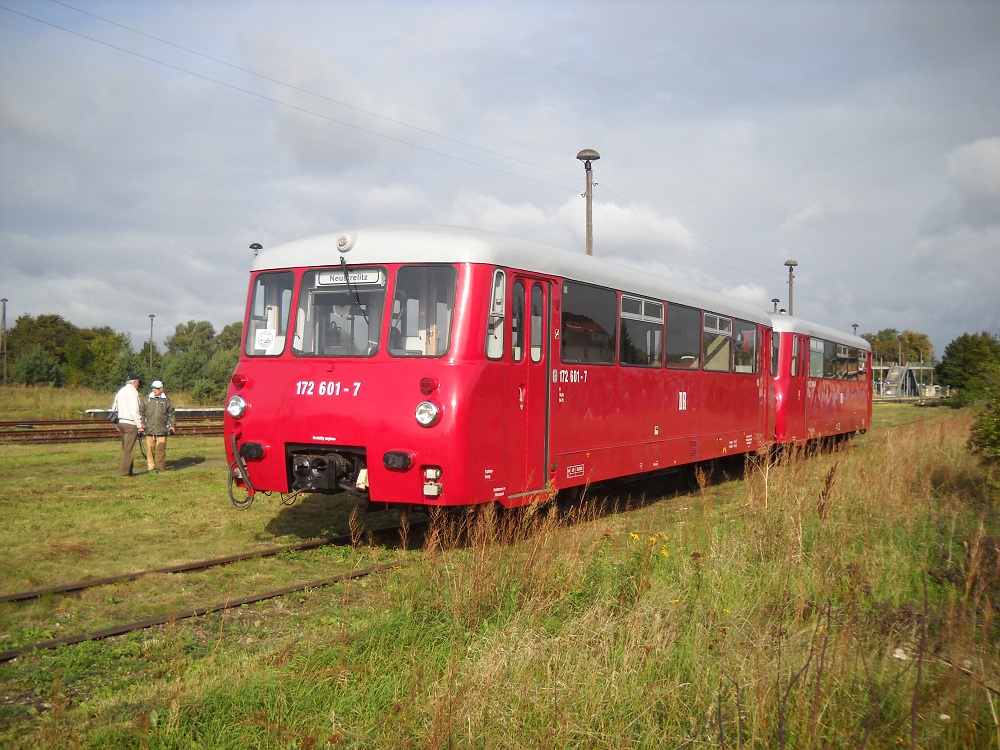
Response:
column 49, row 350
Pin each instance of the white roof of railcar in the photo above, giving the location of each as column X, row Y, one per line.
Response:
column 790, row 324
column 442, row 244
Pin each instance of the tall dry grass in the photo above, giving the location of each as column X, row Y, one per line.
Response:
column 844, row 599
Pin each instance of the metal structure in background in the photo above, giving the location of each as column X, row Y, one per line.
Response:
column 3, row 339
column 586, row 156
column 791, row 280
column 906, row 380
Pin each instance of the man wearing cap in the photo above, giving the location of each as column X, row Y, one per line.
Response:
column 158, row 415
column 129, row 420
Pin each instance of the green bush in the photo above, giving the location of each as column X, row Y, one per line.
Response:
column 37, row 367
column 985, row 439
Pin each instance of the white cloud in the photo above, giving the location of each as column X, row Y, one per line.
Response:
column 732, row 135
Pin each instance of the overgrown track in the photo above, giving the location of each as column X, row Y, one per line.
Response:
column 90, row 430
column 195, row 612
column 131, row 627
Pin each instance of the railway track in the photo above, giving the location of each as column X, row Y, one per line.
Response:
column 130, row 627
column 91, row 430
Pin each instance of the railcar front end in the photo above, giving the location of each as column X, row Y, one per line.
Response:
column 351, row 379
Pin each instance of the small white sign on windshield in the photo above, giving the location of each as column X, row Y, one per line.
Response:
column 360, row 277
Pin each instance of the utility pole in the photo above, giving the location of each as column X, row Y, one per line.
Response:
column 586, row 156
column 151, row 316
column 3, row 339
column 791, row 280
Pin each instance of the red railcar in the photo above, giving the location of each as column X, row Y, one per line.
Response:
column 437, row 366
column 822, row 381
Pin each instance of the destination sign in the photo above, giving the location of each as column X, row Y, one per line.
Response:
column 360, row 277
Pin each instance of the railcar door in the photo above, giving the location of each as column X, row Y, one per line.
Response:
column 530, row 316
column 795, row 403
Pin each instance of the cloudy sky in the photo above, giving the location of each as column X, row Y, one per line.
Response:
column 145, row 145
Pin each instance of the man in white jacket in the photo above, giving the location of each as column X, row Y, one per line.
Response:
column 129, row 421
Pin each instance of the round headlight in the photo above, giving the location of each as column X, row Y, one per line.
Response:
column 236, row 407
column 427, row 413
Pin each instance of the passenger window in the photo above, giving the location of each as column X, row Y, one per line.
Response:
column 537, row 322
column 423, row 308
column 795, row 355
column 683, row 344
column 831, row 360
column 851, row 368
column 494, row 325
column 517, row 323
column 271, row 303
column 589, row 323
column 745, row 349
column 641, row 337
column 718, row 343
column 775, row 351
column 816, row 358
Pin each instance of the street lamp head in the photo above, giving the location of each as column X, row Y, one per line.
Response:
column 256, row 247
column 791, row 264
column 586, row 156
column 775, row 302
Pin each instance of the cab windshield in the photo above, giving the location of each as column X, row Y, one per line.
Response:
column 338, row 316
column 423, row 306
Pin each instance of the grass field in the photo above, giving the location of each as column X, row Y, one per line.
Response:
column 839, row 601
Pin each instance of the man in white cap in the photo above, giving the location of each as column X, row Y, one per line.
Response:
column 129, row 420
column 158, row 415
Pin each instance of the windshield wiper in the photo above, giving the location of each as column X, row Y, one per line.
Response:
column 352, row 290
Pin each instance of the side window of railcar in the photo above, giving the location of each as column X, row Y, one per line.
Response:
column 422, row 311
column 517, row 322
column 775, row 351
column 745, row 351
column 494, row 326
column 683, row 344
column 641, row 337
column 718, row 343
column 862, row 365
column 537, row 322
column 815, row 358
column 589, row 323
column 854, row 363
column 338, row 316
column 847, row 362
column 795, row 356
column 270, row 305
column 831, row 360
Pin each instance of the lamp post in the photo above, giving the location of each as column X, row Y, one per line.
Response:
column 586, row 156
column 855, row 326
column 151, row 316
column 775, row 302
column 791, row 280
column 3, row 339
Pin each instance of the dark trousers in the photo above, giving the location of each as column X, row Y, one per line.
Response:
column 130, row 434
